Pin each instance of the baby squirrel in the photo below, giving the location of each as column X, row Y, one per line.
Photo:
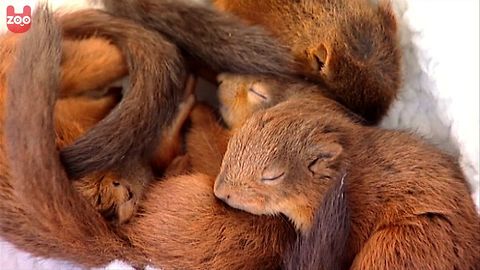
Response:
column 151, row 34
column 88, row 65
column 114, row 196
column 242, row 95
column 409, row 203
column 349, row 45
column 180, row 225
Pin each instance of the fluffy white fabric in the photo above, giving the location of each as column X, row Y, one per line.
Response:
column 439, row 99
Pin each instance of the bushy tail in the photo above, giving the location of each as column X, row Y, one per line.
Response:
column 157, row 75
column 324, row 247
column 219, row 39
column 44, row 214
column 157, row 72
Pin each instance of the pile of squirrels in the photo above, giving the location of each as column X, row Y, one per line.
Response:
column 289, row 171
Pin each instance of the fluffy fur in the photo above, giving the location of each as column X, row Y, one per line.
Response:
column 220, row 40
column 409, row 203
column 41, row 212
column 242, row 95
column 87, row 64
column 324, row 247
column 422, row 103
column 157, row 76
column 349, row 45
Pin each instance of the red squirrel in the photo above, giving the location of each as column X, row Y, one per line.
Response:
column 180, row 224
column 350, row 46
column 409, row 203
column 221, row 41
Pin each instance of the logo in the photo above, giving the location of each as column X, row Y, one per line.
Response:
column 19, row 22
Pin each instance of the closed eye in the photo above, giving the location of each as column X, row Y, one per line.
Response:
column 256, row 93
column 273, row 178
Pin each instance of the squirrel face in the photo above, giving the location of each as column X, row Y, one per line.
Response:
column 279, row 162
column 242, row 95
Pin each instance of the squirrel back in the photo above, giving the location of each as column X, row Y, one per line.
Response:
column 351, row 46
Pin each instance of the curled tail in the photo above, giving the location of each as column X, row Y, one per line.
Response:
column 219, row 39
column 325, row 246
column 157, row 75
column 40, row 211
column 157, row 72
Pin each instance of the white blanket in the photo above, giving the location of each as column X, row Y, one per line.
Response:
column 439, row 99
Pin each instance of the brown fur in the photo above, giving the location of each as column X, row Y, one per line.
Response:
column 180, row 226
column 87, row 65
column 409, row 203
column 113, row 196
column 171, row 142
column 324, row 246
column 242, row 95
column 349, row 45
column 220, row 40
column 94, row 57
column 157, row 75
column 206, row 141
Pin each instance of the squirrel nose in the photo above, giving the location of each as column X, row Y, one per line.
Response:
column 220, row 192
column 222, row 77
column 224, row 198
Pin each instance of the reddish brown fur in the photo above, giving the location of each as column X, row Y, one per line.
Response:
column 99, row 62
column 242, row 95
column 409, row 203
column 181, row 225
column 350, row 45
column 112, row 195
column 157, row 75
column 324, row 246
column 220, row 40
column 206, row 141
column 87, row 64
column 170, row 145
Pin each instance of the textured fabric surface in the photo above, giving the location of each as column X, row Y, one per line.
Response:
column 439, row 99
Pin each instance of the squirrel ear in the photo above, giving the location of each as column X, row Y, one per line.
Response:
column 323, row 157
column 318, row 57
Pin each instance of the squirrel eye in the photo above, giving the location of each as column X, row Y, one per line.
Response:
column 267, row 178
column 256, row 93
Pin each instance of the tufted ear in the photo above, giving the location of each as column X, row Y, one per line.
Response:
column 323, row 156
column 318, row 57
